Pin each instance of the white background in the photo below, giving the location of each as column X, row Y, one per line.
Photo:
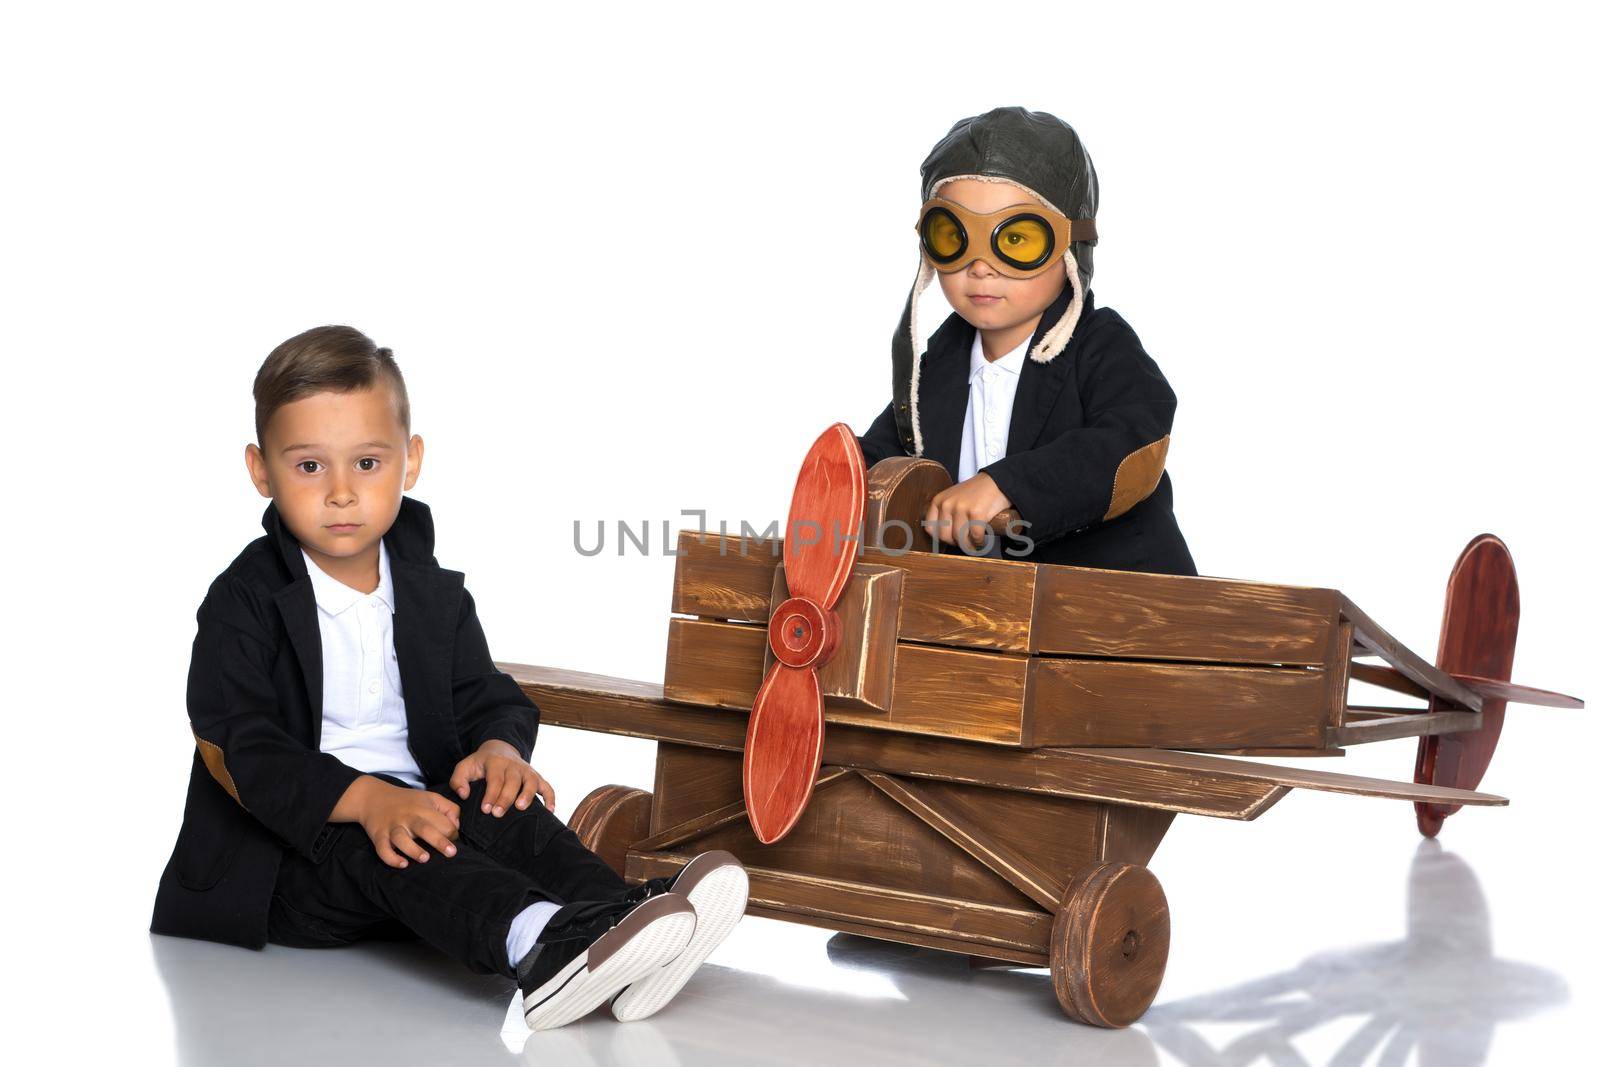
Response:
column 633, row 260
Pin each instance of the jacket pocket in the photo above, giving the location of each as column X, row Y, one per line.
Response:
column 209, row 837
column 202, row 856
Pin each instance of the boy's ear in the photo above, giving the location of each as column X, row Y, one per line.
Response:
column 256, row 463
column 413, row 460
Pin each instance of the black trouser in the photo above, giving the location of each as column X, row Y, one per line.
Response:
column 462, row 904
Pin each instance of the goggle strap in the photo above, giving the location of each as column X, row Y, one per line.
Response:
column 1080, row 229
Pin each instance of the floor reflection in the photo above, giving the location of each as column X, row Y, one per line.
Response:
column 1438, row 994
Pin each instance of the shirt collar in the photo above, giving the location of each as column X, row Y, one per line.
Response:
column 1011, row 362
column 333, row 596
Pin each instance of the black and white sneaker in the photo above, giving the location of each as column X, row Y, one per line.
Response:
column 589, row 951
column 718, row 887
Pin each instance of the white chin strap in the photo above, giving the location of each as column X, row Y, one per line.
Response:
column 924, row 277
column 1056, row 338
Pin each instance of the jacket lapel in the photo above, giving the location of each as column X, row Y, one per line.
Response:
column 297, row 605
column 427, row 602
column 942, row 394
column 1040, row 384
column 1037, row 390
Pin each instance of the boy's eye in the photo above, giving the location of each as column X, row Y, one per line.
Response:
column 943, row 235
column 364, row 460
column 303, row 464
column 1025, row 240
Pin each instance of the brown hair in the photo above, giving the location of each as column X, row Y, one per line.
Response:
column 339, row 359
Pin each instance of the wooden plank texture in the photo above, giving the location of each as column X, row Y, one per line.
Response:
column 1075, row 702
column 1121, row 614
column 1033, row 701
column 995, row 853
column 852, row 831
column 970, row 603
column 947, row 692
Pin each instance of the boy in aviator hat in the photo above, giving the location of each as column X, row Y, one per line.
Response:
column 1030, row 395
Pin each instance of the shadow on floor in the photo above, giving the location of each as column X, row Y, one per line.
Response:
column 1439, row 991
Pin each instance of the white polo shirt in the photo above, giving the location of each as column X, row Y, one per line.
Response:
column 363, row 708
column 991, row 392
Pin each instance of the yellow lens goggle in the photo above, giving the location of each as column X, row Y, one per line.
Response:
column 1018, row 241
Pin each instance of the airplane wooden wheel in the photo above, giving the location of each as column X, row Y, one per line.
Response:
column 610, row 820
column 783, row 746
column 1108, row 945
column 1478, row 637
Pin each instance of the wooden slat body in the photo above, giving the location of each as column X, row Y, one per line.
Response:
column 1014, row 606
column 1091, row 702
column 1027, row 655
column 1022, row 607
column 945, row 692
column 1029, row 701
column 1126, row 615
column 945, row 600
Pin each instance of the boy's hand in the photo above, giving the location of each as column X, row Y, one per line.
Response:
column 976, row 500
column 508, row 779
column 400, row 820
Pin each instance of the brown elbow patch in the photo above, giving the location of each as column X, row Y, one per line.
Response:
column 212, row 755
column 1137, row 476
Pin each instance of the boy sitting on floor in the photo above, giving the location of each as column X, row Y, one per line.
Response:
column 361, row 767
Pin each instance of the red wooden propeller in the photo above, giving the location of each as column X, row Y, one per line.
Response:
column 783, row 746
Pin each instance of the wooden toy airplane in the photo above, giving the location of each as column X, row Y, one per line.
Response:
column 982, row 754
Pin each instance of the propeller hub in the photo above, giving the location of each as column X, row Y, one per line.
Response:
column 802, row 633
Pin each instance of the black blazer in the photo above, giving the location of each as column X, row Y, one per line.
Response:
column 259, row 784
column 1085, row 458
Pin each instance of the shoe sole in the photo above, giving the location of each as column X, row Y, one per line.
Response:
column 646, row 939
column 718, row 887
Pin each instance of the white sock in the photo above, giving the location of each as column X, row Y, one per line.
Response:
column 526, row 927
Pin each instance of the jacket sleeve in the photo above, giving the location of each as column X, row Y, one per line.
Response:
column 1100, row 470
column 882, row 438
column 489, row 704
column 234, row 713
